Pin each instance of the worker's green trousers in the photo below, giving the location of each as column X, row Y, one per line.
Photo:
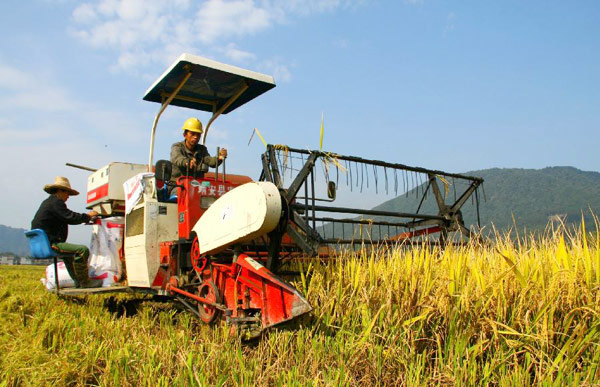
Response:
column 75, row 258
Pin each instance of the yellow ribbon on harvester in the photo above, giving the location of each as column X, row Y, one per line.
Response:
column 446, row 185
column 259, row 135
column 322, row 130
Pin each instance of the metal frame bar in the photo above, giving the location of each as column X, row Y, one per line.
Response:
column 361, row 221
column 222, row 109
column 385, row 164
column 357, row 211
column 164, row 94
column 300, row 179
column 160, row 112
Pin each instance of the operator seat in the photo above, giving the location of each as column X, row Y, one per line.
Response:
column 162, row 176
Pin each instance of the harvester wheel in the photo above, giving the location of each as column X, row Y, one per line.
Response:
column 209, row 291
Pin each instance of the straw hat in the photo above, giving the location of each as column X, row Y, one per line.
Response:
column 60, row 183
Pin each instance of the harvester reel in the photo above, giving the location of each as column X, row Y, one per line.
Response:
column 314, row 225
column 208, row 290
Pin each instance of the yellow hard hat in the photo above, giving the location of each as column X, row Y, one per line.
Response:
column 193, row 125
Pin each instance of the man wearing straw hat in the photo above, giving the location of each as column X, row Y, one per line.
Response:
column 54, row 218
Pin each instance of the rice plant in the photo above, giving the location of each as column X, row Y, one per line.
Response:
column 503, row 313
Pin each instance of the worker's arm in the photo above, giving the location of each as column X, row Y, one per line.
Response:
column 61, row 211
column 216, row 160
column 211, row 161
column 179, row 157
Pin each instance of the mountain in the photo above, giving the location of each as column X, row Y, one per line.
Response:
column 532, row 196
column 12, row 240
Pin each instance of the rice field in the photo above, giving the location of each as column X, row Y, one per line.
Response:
column 501, row 314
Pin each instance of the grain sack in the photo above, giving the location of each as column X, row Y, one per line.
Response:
column 64, row 279
column 105, row 249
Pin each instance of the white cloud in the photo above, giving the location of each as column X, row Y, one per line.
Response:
column 145, row 32
column 235, row 54
column 84, row 14
column 219, row 19
column 5, row 123
column 51, row 99
column 280, row 71
column 14, row 79
column 21, row 90
column 36, row 93
column 450, row 23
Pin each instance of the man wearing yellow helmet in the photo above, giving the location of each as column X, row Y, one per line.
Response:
column 189, row 157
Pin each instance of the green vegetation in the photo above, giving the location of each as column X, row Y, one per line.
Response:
column 504, row 315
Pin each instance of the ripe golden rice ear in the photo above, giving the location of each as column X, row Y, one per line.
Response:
column 505, row 313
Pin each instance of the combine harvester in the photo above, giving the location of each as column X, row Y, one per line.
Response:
column 216, row 245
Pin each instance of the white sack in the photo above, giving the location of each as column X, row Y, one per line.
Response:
column 108, row 277
column 105, row 249
column 64, row 279
column 134, row 189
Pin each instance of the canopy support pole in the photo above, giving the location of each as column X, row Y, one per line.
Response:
column 162, row 109
column 223, row 108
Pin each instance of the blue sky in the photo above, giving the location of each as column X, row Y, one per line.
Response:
column 449, row 85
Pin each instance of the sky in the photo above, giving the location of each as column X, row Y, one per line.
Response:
column 450, row 85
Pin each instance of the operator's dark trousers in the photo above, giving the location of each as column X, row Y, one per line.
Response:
column 75, row 258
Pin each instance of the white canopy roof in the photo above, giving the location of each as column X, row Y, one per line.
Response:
column 211, row 84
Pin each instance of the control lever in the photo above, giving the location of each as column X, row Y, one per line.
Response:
column 217, row 168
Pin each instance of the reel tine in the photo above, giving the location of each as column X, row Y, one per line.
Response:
column 386, row 180
column 454, row 188
column 347, row 169
column 350, row 169
column 291, row 166
column 362, row 176
column 415, row 177
column 375, row 178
